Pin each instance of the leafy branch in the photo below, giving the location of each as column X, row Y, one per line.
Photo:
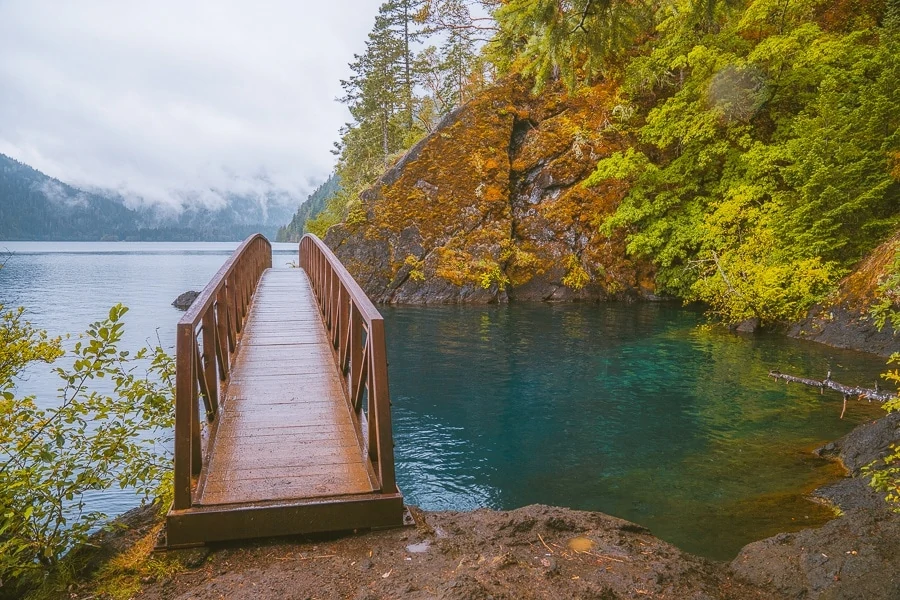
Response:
column 93, row 440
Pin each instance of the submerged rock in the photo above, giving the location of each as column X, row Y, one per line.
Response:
column 184, row 301
column 747, row 326
column 866, row 443
column 852, row 557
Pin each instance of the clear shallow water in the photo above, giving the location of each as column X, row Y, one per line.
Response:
column 629, row 409
column 632, row 410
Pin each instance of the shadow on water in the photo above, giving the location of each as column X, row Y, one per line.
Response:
column 633, row 410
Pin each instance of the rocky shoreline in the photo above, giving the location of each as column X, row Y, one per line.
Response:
column 548, row 552
column 853, row 556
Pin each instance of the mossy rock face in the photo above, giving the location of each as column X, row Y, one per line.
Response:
column 491, row 206
column 844, row 320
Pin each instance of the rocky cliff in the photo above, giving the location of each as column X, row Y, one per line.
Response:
column 844, row 319
column 491, row 207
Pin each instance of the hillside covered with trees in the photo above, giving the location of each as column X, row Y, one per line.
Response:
column 742, row 154
column 34, row 206
column 310, row 209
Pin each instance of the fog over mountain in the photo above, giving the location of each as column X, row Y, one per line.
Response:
column 34, row 206
column 179, row 107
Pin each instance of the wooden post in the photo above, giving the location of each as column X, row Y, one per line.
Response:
column 381, row 407
column 184, row 392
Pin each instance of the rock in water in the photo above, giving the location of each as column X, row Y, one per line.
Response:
column 184, row 301
column 845, row 320
column 748, row 326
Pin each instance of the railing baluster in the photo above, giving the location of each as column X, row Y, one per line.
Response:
column 344, row 353
column 219, row 312
column 356, row 350
column 349, row 315
column 222, row 334
column 210, row 333
column 371, row 414
column 338, row 321
column 196, row 449
column 360, row 381
column 204, row 377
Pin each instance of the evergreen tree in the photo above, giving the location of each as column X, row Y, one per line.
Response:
column 381, row 93
column 572, row 40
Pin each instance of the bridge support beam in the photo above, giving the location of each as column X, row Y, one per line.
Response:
column 198, row 525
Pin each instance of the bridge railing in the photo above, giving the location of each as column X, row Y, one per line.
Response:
column 356, row 331
column 206, row 341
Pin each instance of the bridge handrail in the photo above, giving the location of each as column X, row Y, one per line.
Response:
column 216, row 317
column 356, row 331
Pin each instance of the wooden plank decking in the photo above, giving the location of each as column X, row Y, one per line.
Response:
column 286, row 429
column 290, row 369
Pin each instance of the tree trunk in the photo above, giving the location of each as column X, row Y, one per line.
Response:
column 860, row 392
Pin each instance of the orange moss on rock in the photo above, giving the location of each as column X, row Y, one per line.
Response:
column 491, row 207
column 858, row 290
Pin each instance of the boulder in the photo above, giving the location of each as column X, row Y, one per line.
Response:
column 184, row 301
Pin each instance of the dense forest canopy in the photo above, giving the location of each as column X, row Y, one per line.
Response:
column 763, row 154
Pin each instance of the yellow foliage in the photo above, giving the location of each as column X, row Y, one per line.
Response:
column 356, row 215
column 492, row 274
column 416, row 273
column 576, row 277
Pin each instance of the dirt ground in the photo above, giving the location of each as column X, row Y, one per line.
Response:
column 532, row 552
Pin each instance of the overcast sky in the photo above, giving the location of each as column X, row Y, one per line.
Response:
column 157, row 97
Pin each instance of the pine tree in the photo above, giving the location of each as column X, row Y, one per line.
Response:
column 549, row 39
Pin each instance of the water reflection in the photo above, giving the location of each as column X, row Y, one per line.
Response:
column 629, row 409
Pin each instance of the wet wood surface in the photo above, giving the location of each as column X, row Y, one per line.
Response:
column 286, row 429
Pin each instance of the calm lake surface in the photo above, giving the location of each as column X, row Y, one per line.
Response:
column 634, row 410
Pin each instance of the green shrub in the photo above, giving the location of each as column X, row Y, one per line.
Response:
column 885, row 474
column 51, row 457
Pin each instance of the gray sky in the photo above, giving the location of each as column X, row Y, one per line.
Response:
column 153, row 98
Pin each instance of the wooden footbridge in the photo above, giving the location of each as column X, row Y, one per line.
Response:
column 282, row 410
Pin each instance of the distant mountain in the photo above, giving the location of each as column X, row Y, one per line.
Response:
column 312, row 206
column 34, row 206
column 238, row 218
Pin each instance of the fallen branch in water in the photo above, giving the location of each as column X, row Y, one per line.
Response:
column 846, row 390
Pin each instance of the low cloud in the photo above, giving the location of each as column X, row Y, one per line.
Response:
column 178, row 102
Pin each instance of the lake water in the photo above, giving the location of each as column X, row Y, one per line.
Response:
column 635, row 410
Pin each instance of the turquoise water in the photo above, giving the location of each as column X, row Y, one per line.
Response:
column 633, row 410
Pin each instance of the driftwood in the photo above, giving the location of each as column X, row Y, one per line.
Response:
column 848, row 391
